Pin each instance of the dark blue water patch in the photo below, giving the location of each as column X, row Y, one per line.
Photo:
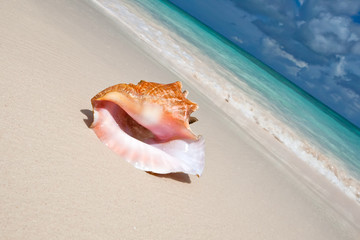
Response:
column 356, row 18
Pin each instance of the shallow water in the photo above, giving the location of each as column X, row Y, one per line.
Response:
column 252, row 91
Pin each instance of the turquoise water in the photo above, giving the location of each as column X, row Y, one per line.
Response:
column 254, row 92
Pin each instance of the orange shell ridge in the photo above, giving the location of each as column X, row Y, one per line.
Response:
column 168, row 99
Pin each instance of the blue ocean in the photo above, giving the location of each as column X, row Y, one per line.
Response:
column 249, row 91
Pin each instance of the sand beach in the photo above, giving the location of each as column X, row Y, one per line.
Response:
column 58, row 181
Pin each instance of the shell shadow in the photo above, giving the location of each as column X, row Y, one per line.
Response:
column 178, row 176
column 90, row 118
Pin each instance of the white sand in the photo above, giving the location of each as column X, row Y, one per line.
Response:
column 58, row 181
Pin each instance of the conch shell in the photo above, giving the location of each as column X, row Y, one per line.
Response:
column 148, row 125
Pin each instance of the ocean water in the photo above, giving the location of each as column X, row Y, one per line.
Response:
column 246, row 89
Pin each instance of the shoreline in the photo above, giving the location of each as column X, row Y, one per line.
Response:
column 59, row 180
column 242, row 107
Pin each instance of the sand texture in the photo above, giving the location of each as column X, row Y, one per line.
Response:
column 58, row 181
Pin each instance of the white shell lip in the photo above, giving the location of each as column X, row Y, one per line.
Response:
column 187, row 156
column 95, row 118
